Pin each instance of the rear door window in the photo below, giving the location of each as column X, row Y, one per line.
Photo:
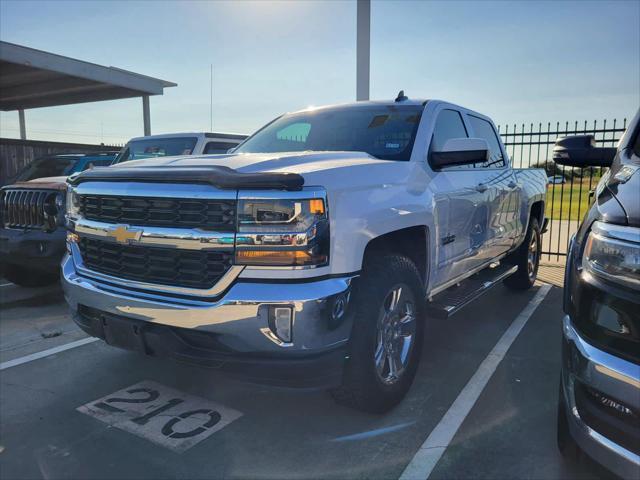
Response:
column 449, row 125
column 483, row 129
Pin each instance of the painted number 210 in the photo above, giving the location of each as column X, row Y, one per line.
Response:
column 147, row 395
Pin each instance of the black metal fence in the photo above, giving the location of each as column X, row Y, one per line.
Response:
column 568, row 196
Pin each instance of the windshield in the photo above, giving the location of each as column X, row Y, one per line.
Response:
column 385, row 132
column 47, row 167
column 157, row 147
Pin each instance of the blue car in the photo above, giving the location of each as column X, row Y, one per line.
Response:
column 63, row 165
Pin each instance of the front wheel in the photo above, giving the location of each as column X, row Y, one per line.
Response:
column 386, row 340
column 527, row 259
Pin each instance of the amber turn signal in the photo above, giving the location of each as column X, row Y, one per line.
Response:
column 275, row 257
column 316, row 206
column 72, row 237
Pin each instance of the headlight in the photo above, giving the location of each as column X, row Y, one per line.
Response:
column 282, row 232
column 73, row 207
column 613, row 252
column 52, row 208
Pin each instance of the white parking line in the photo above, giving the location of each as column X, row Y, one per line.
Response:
column 426, row 458
column 45, row 353
column 5, row 284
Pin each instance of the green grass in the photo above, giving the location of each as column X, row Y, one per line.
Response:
column 568, row 202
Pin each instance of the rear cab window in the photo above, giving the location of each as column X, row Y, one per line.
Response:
column 218, row 147
column 157, row 147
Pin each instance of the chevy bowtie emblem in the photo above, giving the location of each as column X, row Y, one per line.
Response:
column 125, row 234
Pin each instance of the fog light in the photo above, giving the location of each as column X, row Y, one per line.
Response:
column 280, row 322
column 338, row 309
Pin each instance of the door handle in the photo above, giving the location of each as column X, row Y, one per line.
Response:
column 481, row 187
column 512, row 184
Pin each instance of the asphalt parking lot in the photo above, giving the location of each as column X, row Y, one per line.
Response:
column 77, row 413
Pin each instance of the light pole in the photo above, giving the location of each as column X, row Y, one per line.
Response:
column 363, row 49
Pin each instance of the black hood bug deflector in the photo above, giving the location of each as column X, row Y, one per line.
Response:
column 221, row 177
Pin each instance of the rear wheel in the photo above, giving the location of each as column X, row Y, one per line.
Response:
column 30, row 278
column 387, row 335
column 527, row 259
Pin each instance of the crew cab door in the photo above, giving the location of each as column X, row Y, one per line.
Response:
column 461, row 215
column 503, row 202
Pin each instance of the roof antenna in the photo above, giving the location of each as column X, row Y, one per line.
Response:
column 401, row 96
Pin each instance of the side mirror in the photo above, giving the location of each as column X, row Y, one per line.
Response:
column 460, row 151
column 581, row 151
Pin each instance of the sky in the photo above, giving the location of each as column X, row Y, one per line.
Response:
column 516, row 61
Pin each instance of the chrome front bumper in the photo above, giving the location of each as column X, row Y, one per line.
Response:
column 610, row 375
column 238, row 318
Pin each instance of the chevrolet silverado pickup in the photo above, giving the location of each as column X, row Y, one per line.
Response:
column 32, row 233
column 314, row 253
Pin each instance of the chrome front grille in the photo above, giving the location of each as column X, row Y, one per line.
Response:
column 25, row 208
column 216, row 215
column 199, row 269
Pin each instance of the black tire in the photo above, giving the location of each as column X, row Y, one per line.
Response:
column 363, row 387
column 28, row 277
column 525, row 277
column 566, row 444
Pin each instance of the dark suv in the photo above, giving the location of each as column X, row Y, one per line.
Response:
column 599, row 404
column 32, row 233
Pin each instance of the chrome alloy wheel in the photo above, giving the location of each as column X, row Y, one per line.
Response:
column 395, row 335
column 532, row 256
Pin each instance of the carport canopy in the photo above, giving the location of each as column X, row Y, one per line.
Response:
column 31, row 78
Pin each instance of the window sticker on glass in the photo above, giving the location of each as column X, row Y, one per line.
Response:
column 378, row 121
column 392, row 145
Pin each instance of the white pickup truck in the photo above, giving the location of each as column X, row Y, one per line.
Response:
column 170, row 144
column 313, row 254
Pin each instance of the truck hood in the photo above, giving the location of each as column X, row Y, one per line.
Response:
column 335, row 171
column 52, row 183
column 61, row 179
column 286, row 162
